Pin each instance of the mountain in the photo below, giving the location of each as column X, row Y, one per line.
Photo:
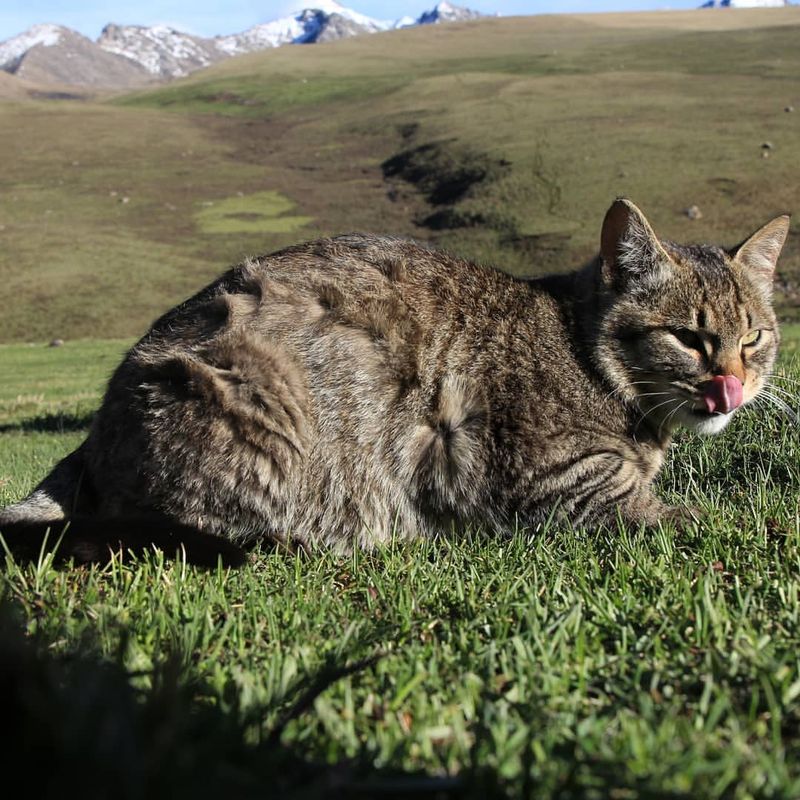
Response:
column 326, row 21
column 160, row 50
column 746, row 4
column 12, row 50
column 446, row 12
column 53, row 54
column 129, row 55
column 14, row 88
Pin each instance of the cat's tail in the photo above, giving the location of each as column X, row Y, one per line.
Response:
column 56, row 517
column 62, row 494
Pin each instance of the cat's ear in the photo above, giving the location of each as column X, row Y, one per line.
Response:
column 628, row 247
column 758, row 254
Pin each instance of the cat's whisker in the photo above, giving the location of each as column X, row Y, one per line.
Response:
column 780, row 405
column 788, row 412
column 778, row 376
column 790, row 395
column 638, row 394
column 781, row 376
column 768, row 405
column 759, row 404
column 651, row 410
column 769, row 393
column 682, row 405
column 778, row 386
column 671, row 415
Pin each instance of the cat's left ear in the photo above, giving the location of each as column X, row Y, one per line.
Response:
column 630, row 251
column 759, row 253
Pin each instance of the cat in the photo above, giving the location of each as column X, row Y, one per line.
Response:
column 348, row 390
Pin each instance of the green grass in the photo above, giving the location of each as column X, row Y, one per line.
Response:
column 625, row 663
column 39, row 379
column 47, row 397
column 254, row 97
column 264, row 212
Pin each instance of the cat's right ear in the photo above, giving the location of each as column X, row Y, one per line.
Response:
column 759, row 252
column 629, row 248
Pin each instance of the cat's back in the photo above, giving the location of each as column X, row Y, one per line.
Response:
column 372, row 266
column 381, row 289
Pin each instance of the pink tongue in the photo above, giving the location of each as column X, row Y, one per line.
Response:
column 723, row 393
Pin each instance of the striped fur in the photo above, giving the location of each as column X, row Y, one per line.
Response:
column 343, row 391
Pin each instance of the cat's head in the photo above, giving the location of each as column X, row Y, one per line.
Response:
column 686, row 332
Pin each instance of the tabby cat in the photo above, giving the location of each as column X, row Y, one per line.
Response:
column 345, row 390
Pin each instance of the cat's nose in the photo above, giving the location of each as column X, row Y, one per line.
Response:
column 722, row 394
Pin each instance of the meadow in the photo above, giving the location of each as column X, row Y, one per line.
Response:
column 113, row 210
column 553, row 663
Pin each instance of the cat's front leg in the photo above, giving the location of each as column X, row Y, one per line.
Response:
column 646, row 508
column 682, row 517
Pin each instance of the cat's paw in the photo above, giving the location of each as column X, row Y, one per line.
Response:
column 683, row 518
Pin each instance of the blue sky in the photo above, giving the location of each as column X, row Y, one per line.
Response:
column 208, row 17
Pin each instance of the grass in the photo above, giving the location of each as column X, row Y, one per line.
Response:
column 47, row 398
column 625, row 663
column 263, row 212
column 109, row 212
column 253, row 97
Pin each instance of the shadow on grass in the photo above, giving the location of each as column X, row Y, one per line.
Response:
column 87, row 540
column 51, row 423
column 76, row 725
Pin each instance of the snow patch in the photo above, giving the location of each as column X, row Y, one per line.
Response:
column 332, row 7
column 12, row 50
column 404, row 22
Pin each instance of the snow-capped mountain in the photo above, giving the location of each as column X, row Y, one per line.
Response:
column 12, row 50
column 446, row 12
column 746, row 4
column 127, row 55
column 326, row 21
column 161, row 50
column 53, row 54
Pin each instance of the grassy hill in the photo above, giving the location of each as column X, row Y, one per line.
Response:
column 502, row 140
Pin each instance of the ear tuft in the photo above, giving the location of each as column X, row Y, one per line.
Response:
column 628, row 246
column 759, row 253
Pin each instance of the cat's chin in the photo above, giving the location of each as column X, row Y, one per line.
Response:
column 706, row 424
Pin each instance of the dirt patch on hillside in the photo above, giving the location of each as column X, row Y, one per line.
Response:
column 445, row 171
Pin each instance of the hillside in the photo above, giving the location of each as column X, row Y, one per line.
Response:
column 13, row 88
column 501, row 139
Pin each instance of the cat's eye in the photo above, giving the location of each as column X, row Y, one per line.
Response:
column 751, row 338
column 689, row 339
